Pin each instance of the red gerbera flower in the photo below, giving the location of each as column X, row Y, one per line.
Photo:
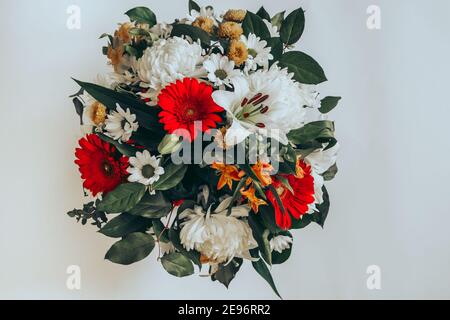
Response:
column 99, row 166
column 295, row 204
column 185, row 102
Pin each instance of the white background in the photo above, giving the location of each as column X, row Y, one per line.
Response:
column 390, row 201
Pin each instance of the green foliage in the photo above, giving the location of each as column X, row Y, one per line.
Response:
column 261, row 235
column 305, row 69
column 330, row 173
column 152, row 206
column 173, row 174
column 132, row 248
column 177, row 265
column 292, row 27
column 277, row 48
column 227, row 272
column 174, row 236
column 193, row 6
column 263, row 14
column 124, row 198
column 123, row 148
column 89, row 212
column 280, row 258
column 262, row 269
column 125, row 224
column 254, row 24
column 328, row 103
column 142, row 15
column 195, row 33
column 313, row 134
column 278, row 19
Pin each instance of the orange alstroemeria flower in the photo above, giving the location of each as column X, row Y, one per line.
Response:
column 253, row 200
column 262, row 170
column 228, row 174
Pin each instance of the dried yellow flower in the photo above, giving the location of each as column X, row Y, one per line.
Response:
column 204, row 23
column 231, row 30
column 237, row 52
column 97, row 113
column 123, row 32
column 236, row 15
column 115, row 55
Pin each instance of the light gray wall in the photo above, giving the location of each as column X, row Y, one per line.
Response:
column 390, row 201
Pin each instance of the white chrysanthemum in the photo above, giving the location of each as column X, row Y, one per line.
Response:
column 268, row 102
column 280, row 243
column 145, row 169
column 161, row 30
column 320, row 161
column 258, row 52
column 205, row 12
column 167, row 61
column 272, row 29
column 220, row 70
column 217, row 236
column 121, row 124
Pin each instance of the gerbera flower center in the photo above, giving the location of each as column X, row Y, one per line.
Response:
column 148, row 171
column 221, row 74
column 108, row 169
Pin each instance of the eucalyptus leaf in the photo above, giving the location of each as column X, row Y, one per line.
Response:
column 306, row 70
column 132, row 248
column 123, row 198
column 177, row 265
column 142, row 15
column 292, row 27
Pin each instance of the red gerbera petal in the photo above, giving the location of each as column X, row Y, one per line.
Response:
column 98, row 164
column 295, row 204
column 185, row 102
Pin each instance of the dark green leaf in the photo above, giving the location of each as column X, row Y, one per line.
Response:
column 305, row 69
column 254, row 24
column 160, row 231
column 330, row 173
column 277, row 198
column 293, row 26
column 323, row 209
column 261, row 235
column 152, row 206
column 303, row 222
column 125, row 224
column 267, row 216
column 174, row 237
column 280, row 258
column 193, row 6
column 328, row 103
column 123, row 198
column 146, row 116
column 314, row 132
column 177, row 265
column 138, row 32
column 277, row 48
column 173, row 174
column 194, row 33
column 262, row 269
column 132, row 248
column 226, row 273
column 237, row 194
column 278, row 19
column 263, row 14
column 142, row 15
column 123, row 148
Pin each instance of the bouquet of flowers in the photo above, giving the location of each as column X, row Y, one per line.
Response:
column 208, row 141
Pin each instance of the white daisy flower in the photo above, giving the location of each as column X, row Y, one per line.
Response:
column 280, row 243
column 268, row 102
column 258, row 52
column 205, row 12
column 121, row 124
column 272, row 29
column 145, row 169
column 217, row 236
column 220, row 70
column 161, row 30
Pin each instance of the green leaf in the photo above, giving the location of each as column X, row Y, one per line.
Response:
column 152, row 206
column 293, row 26
column 132, row 248
column 174, row 237
column 147, row 116
column 330, row 173
column 123, row 198
column 303, row 222
column 277, row 198
column 278, row 19
column 254, row 24
column 305, row 69
column 177, row 265
column 328, row 103
column 286, row 183
column 267, row 216
column 160, row 231
column 173, row 174
column 194, row 33
column 226, row 273
column 138, row 32
column 142, row 15
column 262, row 269
column 263, row 14
column 123, row 148
column 314, row 134
column 323, row 209
column 261, row 236
column 124, row 224
column 193, row 6
column 277, row 48
column 236, row 194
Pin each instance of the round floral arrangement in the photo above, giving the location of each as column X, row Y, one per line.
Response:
column 208, row 141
